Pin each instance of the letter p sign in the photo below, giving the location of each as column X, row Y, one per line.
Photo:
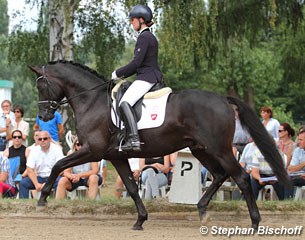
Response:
column 186, row 166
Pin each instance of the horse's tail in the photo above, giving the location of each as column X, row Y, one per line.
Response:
column 262, row 139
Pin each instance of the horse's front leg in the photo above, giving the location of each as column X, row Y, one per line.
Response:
column 123, row 168
column 77, row 158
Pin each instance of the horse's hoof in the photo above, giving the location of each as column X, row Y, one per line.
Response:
column 205, row 218
column 255, row 227
column 136, row 227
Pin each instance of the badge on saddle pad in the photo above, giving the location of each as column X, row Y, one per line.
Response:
column 153, row 109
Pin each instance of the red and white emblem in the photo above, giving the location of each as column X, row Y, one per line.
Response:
column 153, row 116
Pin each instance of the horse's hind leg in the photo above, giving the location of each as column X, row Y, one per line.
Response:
column 122, row 166
column 219, row 176
column 242, row 179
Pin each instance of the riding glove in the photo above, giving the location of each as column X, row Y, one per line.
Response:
column 114, row 76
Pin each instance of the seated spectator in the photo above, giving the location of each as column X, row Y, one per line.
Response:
column 135, row 168
column 272, row 125
column 81, row 175
column 7, row 185
column 6, row 115
column 17, row 150
column 153, row 175
column 103, row 170
column 172, row 160
column 241, row 136
column 285, row 143
column 19, row 124
column 35, row 137
column 261, row 169
column 39, row 164
column 247, row 155
column 297, row 163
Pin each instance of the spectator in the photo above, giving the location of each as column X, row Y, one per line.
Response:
column 19, row 124
column 247, row 155
column 6, row 115
column 297, row 163
column 54, row 126
column 81, row 175
column 17, row 150
column 35, row 137
column 7, row 185
column 103, row 167
column 285, row 143
column 39, row 164
column 260, row 170
column 134, row 164
column 272, row 125
column 241, row 136
column 153, row 175
column 172, row 160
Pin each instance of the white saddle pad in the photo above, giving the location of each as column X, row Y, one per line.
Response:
column 153, row 113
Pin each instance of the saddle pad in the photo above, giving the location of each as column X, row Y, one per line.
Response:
column 153, row 113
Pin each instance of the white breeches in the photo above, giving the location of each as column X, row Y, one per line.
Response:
column 136, row 90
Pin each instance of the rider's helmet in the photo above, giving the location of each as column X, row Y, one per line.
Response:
column 141, row 11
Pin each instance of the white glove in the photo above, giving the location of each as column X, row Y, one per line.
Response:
column 114, row 76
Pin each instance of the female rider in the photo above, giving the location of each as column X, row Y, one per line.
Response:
column 145, row 65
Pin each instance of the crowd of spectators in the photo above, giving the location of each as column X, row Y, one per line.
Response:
column 37, row 160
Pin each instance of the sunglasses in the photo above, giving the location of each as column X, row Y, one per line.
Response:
column 16, row 111
column 15, row 137
column 282, row 130
column 44, row 139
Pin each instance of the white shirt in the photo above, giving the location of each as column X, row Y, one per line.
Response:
column 272, row 128
column 43, row 162
column 3, row 121
column 134, row 164
column 86, row 167
column 247, row 154
column 24, row 127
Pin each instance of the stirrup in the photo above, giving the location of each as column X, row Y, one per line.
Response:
column 131, row 146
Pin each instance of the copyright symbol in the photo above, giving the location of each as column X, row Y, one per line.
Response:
column 203, row 230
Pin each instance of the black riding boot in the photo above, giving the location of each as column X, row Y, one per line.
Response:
column 133, row 140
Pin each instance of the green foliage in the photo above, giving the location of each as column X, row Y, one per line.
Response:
column 4, row 18
column 102, row 37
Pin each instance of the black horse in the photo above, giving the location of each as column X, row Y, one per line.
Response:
column 200, row 120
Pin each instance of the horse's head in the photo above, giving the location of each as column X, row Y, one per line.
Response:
column 49, row 93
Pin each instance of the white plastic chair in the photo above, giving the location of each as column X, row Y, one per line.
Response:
column 162, row 191
column 299, row 193
column 262, row 192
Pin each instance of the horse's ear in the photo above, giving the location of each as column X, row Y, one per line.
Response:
column 35, row 69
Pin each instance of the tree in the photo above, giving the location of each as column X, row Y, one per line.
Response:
column 4, row 18
column 55, row 40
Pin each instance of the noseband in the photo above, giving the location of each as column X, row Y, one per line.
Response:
column 54, row 105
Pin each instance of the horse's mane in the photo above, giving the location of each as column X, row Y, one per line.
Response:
column 86, row 68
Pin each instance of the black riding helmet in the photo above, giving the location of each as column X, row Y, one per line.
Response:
column 141, row 11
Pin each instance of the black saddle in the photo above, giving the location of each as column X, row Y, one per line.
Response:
column 138, row 105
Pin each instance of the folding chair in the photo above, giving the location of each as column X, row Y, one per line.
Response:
column 14, row 171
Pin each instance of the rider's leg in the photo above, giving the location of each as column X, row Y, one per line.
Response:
column 137, row 89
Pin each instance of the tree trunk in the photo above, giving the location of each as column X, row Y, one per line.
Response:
column 61, row 21
column 249, row 96
column 61, row 24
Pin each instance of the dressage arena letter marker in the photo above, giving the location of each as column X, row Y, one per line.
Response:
column 189, row 168
column 186, row 184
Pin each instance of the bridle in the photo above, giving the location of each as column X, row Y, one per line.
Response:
column 54, row 105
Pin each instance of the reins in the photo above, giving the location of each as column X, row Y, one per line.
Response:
column 56, row 104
